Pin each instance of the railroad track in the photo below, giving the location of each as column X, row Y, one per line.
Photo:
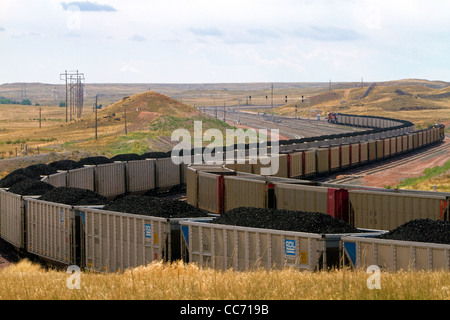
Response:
column 355, row 174
column 291, row 128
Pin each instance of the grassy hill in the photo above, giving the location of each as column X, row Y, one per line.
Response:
column 422, row 102
column 151, row 116
column 150, row 120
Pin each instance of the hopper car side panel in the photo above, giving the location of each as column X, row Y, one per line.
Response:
column 392, row 255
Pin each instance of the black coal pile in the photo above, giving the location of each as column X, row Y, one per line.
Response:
column 65, row 165
column 95, row 160
column 37, row 170
column 155, row 155
column 31, row 172
column 421, row 230
column 156, row 207
column 310, row 222
column 74, row 196
column 127, row 157
column 12, row 179
column 30, row 187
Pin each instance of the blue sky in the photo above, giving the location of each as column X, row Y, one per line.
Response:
column 196, row 41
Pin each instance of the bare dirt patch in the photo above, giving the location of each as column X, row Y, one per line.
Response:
column 411, row 169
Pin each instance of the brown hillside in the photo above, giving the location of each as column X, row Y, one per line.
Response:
column 152, row 102
column 141, row 109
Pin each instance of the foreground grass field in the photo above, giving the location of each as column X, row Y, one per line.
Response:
column 180, row 281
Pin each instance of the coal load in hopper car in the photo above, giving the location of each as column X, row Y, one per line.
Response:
column 65, row 164
column 127, row 157
column 30, row 187
column 37, row 170
column 155, row 155
column 310, row 222
column 421, row 230
column 31, row 172
column 74, row 197
column 96, row 160
column 153, row 206
column 12, row 179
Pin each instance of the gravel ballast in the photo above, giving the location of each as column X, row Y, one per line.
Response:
column 310, row 222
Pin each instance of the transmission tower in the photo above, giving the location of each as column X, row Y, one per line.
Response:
column 74, row 93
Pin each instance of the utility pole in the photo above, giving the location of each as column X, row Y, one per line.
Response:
column 67, row 103
column 309, row 108
column 96, row 118
column 271, row 103
column 125, row 111
column 239, row 112
column 74, row 93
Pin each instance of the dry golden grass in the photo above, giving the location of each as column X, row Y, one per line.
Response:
column 180, row 281
column 442, row 183
column 383, row 101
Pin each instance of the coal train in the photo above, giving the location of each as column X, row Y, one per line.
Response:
column 106, row 241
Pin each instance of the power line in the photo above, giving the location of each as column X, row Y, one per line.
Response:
column 74, row 93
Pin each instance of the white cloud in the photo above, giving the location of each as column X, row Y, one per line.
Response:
column 258, row 40
column 87, row 6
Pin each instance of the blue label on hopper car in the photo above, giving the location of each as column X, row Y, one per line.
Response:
column 185, row 230
column 83, row 217
column 148, row 230
column 61, row 215
column 350, row 248
column 289, row 246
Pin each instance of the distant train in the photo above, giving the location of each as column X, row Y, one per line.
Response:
column 109, row 241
